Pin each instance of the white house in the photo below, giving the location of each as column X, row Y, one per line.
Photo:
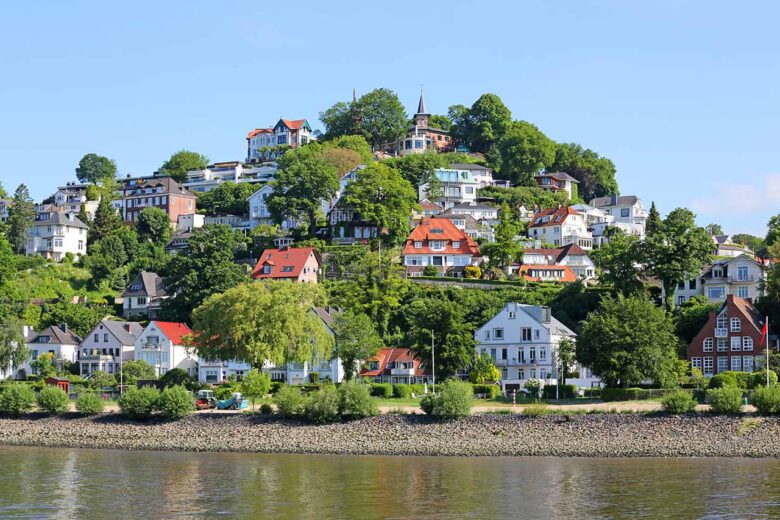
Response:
column 144, row 295
column 286, row 132
column 161, row 345
column 108, row 345
column 561, row 226
column 742, row 276
column 72, row 197
column 571, row 255
column 59, row 341
column 5, row 204
column 628, row 212
column 56, row 234
column 557, row 181
column 523, row 341
column 259, row 213
column 477, row 210
column 215, row 174
column 724, row 245
column 458, row 187
column 482, row 174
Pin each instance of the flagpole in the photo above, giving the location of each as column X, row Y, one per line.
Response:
column 766, row 335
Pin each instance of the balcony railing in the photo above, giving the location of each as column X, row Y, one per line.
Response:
column 402, row 372
column 738, row 279
column 721, row 333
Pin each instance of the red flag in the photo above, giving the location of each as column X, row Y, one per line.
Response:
column 764, row 331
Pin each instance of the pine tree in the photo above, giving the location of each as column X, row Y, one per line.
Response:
column 653, row 223
column 21, row 217
column 105, row 222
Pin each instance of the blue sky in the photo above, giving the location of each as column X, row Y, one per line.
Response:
column 683, row 96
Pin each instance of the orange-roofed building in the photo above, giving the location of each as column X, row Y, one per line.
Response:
column 561, row 226
column 438, row 242
column 299, row 264
column 547, row 273
column 395, row 366
column 286, row 132
column 161, row 344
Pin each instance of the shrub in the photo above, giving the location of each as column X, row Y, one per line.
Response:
column 53, row 400
column 766, row 399
column 139, row 403
column 725, row 400
column 565, row 392
column 289, row 401
column 723, row 380
column 323, row 406
column 418, row 389
column 17, row 398
column 175, row 377
column 266, row 409
column 355, row 401
column 175, row 403
column 314, row 378
column 430, row 270
column 275, row 386
column 678, row 401
column 383, row 390
column 533, row 387
column 89, row 403
column 624, row 394
column 225, row 391
column 489, row 391
column 402, row 391
column 535, row 410
column 758, row 379
column 453, row 400
column 472, row 271
column 99, row 380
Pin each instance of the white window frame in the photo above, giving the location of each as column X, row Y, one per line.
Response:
column 747, row 343
column 736, row 343
column 735, row 324
column 707, row 344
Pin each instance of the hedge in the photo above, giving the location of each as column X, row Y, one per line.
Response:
column 402, row 391
column 489, row 391
column 631, row 394
column 566, row 392
column 383, row 390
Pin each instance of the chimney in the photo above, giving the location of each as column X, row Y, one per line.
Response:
column 613, row 199
column 127, row 326
column 64, row 327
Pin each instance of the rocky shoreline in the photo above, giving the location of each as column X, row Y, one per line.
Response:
column 598, row 435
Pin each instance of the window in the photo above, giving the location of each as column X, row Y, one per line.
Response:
column 287, row 269
column 680, row 300
column 498, row 333
column 722, row 345
column 512, row 315
column 747, row 363
column 743, row 291
column 456, row 244
column 707, row 346
column 542, row 353
column 722, row 321
column 717, row 272
column 716, row 293
column 526, row 333
column 503, row 353
column 417, row 244
column 625, row 212
column 707, row 365
column 736, row 363
column 747, row 343
column 723, row 364
column 57, row 242
column 266, row 269
column 105, row 338
column 696, row 362
column 736, row 343
column 487, row 334
column 536, row 333
column 742, row 273
column 736, row 325
column 418, row 144
column 96, row 338
column 469, row 189
column 692, row 285
column 532, row 354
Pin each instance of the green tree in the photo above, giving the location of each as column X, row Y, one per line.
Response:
column 81, row 319
column 355, row 143
column 228, row 197
column 753, row 242
column 181, row 162
column 483, row 125
column 3, row 193
column 132, row 371
column 458, row 115
column 21, row 217
column 176, row 377
column 382, row 117
column 342, row 159
column 96, row 169
column 355, row 339
column 382, row 197
column 303, row 181
column 773, row 233
column 439, row 121
column 505, row 249
column 153, row 225
column 106, row 221
column 769, row 303
column 618, row 262
column 340, row 120
column 692, row 316
column 7, row 263
column 714, row 229
column 653, row 222
column 207, row 269
column 44, row 365
column 417, row 168
column 255, row 384
column 99, row 380
column 628, row 340
column 13, row 349
column 566, row 354
column 676, row 252
column 524, row 151
column 484, row 370
column 596, row 174
column 262, row 321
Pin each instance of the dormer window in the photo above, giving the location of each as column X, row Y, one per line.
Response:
column 44, row 339
column 287, row 269
column 456, row 244
column 266, row 269
column 417, row 244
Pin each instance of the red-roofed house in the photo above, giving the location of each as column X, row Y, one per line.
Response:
column 438, row 242
column 161, row 344
column 301, row 264
column 731, row 339
column 547, row 273
column 395, row 365
column 557, row 181
column 286, row 132
column 561, row 226
column 571, row 255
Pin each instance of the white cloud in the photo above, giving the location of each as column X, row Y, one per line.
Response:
column 755, row 194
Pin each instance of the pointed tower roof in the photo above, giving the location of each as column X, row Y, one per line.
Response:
column 421, row 104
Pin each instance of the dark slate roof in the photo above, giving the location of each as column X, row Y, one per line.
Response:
column 58, row 218
column 421, row 105
column 58, row 336
column 626, row 200
column 466, row 205
column 120, row 330
column 152, row 285
column 468, row 166
column 324, row 315
column 561, row 176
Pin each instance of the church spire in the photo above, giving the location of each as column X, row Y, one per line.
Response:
column 421, row 104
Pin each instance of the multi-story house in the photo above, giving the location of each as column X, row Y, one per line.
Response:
column 108, row 345
column 482, row 174
column 557, row 181
column 144, row 296
column 469, row 225
column 439, row 243
column 571, row 256
column 421, row 137
column 523, row 341
column 396, row 366
column 480, row 212
column 161, row 344
column 561, row 226
column 5, row 205
column 59, row 341
column 724, row 245
column 286, row 133
column 627, row 211
column 288, row 263
column 731, row 339
column 742, row 276
column 259, row 214
column 215, row 174
column 55, row 234
column 72, row 197
column 154, row 192
column 546, row 273
column 457, row 187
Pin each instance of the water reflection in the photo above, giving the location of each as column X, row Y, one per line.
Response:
column 64, row 483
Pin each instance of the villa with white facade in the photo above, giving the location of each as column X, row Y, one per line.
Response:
column 742, row 277
column 215, row 174
column 108, row 345
column 56, row 234
column 457, row 186
column 560, row 227
column 161, row 345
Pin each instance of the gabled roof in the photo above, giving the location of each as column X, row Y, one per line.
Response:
column 474, row 205
column 326, row 317
column 626, row 200
column 567, row 276
column 146, row 284
column 294, row 124
column 58, row 218
column 287, row 262
column 258, row 131
column 126, row 332
column 386, row 356
column 557, row 216
column 174, row 331
column 559, row 176
column 169, row 185
column 427, row 204
column 57, row 335
column 440, row 229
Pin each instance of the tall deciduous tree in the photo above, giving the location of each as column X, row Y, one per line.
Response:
column 255, row 384
column 505, row 249
column 439, row 121
column 96, row 169
column 773, row 233
column 13, row 349
column 381, row 196
column 356, row 340
column 181, row 162
column 356, row 143
column 566, row 354
column 153, row 225
column 484, row 370
column 262, row 321
column 340, row 119
column 7, row 262
column 382, row 116
column 303, row 181
column 21, row 217
column 523, row 152
column 618, row 261
column 596, row 174
column 483, row 125
column 629, row 340
column 676, row 252
column 714, row 229
column 228, row 197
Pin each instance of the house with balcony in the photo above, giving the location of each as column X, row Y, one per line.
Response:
column 72, row 197
column 482, row 174
column 523, row 342
column 298, row 264
column 557, row 181
column 264, row 144
column 57, row 340
column 201, row 181
column 161, row 344
column 741, row 276
column 571, row 256
column 731, row 340
column 724, row 246
column 439, row 243
column 259, row 214
column 396, row 366
column 137, row 194
column 55, row 234
column 144, row 296
column 627, row 212
column 108, row 345
column 457, row 187
column 561, row 226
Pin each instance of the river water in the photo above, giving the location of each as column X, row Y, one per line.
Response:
column 101, row 484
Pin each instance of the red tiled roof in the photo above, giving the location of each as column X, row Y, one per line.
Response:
column 385, row 356
column 257, row 131
column 285, row 263
column 557, row 216
column 568, row 274
column 294, row 124
column 173, row 330
column 447, row 231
